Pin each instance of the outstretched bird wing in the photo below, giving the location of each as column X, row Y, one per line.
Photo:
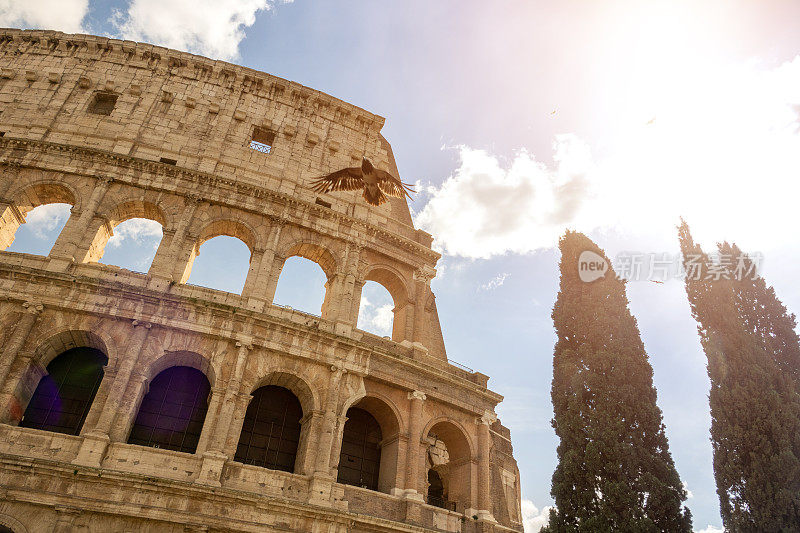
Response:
column 391, row 185
column 347, row 179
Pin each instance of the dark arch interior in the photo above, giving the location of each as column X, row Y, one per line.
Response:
column 360, row 460
column 5, row 529
column 173, row 410
column 63, row 397
column 436, row 492
column 271, row 431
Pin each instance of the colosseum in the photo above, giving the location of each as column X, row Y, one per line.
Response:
column 137, row 402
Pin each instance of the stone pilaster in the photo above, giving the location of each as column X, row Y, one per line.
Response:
column 215, row 456
column 413, row 458
column 422, row 287
column 75, row 239
column 10, row 410
column 95, row 442
column 322, row 465
column 11, row 218
column 166, row 263
column 17, row 338
column 484, row 510
column 212, row 417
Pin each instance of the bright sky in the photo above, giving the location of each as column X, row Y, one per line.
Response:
column 519, row 119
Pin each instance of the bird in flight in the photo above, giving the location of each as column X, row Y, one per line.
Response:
column 376, row 183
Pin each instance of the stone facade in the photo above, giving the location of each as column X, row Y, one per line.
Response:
column 124, row 130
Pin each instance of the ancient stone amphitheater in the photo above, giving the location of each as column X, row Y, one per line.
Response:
column 138, row 402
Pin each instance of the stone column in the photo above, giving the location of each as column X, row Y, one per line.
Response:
column 129, row 410
column 258, row 259
column 342, row 289
column 17, row 339
column 73, row 236
column 322, row 464
column 422, row 287
column 484, row 477
column 310, row 428
column 95, row 442
column 413, row 458
column 11, row 218
column 214, row 458
column 167, row 259
column 212, row 415
column 321, row 487
column 266, row 266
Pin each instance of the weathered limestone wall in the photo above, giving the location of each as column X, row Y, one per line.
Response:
column 201, row 113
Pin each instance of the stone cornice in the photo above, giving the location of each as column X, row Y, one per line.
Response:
column 191, row 66
column 219, row 184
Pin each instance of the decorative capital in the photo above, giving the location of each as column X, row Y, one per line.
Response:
column 246, row 346
column 488, row 418
column 276, row 220
column 191, row 198
column 425, row 274
column 145, row 325
column 417, row 395
column 33, row 308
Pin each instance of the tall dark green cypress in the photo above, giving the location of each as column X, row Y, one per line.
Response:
column 752, row 351
column 615, row 472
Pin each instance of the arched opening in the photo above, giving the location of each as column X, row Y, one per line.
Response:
column 64, row 395
column 133, row 244
column 449, row 466
column 227, row 248
column 376, row 310
column 301, row 286
column 360, row 458
column 377, row 315
column 359, row 464
column 38, row 229
column 437, row 494
column 129, row 237
column 271, row 431
column 223, row 265
column 173, row 410
column 43, row 225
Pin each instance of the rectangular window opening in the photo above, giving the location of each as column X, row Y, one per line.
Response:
column 103, row 103
column 323, row 203
column 168, row 161
column 262, row 140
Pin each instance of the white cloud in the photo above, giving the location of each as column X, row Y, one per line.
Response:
column 711, row 529
column 484, row 209
column 377, row 319
column 495, row 282
column 63, row 15
column 723, row 151
column 44, row 219
column 212, row 28
column 139, row 230
column 532, row 519
column 689, row 494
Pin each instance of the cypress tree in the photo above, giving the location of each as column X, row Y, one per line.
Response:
column 752, row 351
column 615, row 472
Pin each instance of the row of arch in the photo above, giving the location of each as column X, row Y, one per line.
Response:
column 275, row 429
column 262, row 254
